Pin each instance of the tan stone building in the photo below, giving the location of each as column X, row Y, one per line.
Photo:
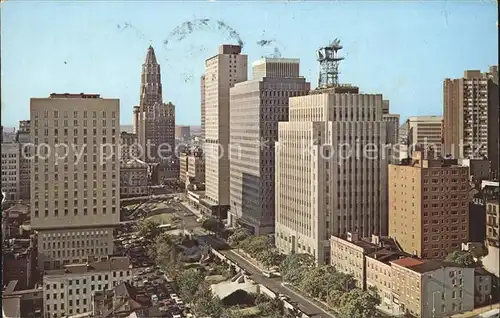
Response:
column 75, row 198
column 424, row 132
column 222, row 71
column 196, row 168
column 428, row 205
column 428, row 288
column 322, row 189
column 134, row 178
column 183, row 166
column 70, row 291
column 257, row 106
column 349, row 253
column 471, row 115
column 11, row 158
column 202, row 94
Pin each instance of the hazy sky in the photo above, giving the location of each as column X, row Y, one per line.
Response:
column 401, row 49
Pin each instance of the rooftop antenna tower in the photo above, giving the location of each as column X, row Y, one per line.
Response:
column 329, row 64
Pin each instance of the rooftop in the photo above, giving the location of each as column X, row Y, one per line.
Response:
column 407, row 262
column 113, row 264
column 69, row 95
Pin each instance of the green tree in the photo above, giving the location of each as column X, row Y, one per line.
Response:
column 461, row 258
column 238, row 235
column 271, row 308
column 148, row 229
column 165, row 252
column 205, row 304
column 269, row 258
column 294, row 266
column 189, row 282
column 213, row 225
column 359, row 303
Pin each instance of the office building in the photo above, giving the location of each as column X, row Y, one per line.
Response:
column 492, row 223
column 129, row 147
column 222, row 72
column 154, row 120
column 257, row 106
column 183, row 133
column 23, row 138
column 183, row 166
column 429, row 205
column 134, row 178
column 471, row 116
column 69, row 291
column 322, row 187
column 11, row 159
column 202, row 94
column 424, row 132
column 75, row 196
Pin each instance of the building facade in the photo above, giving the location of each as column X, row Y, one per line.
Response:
column 134, row 178
column 70, row 291
column 492, row 223
column 222, row 72
column 129, row 147
column 424, row 132
column 429, row 205
column 75, row 201
column 322, row 189
column 202, row 94
column 183, row 132
column 256, row 108
column 11, row 159
column 431, row 288
column 156, row 120
column 471, row 116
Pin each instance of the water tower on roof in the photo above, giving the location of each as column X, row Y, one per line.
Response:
column 329, row 61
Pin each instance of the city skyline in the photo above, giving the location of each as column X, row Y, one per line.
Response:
column 440, row 47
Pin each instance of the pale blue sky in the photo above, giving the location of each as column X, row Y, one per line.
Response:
column 401, row 49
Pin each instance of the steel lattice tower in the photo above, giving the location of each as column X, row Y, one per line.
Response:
column 329, row 64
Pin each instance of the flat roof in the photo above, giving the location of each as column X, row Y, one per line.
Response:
column 113, row 264
column 407, row 262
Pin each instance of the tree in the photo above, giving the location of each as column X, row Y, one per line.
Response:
column 148, row 229
column 165, row 252
column 212, row 225
column 205, row 304
column 269, row 257
column 238, row 235
column 189, row 282
column 461, row 258
column 358, row 303
column 294, row 266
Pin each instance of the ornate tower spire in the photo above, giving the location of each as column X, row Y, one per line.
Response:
column 151, row 90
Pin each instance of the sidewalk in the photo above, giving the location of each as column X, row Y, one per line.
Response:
column 193, row 210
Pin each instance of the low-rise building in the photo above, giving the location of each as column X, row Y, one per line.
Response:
column 71, row 290
column 19, row 302
column 134, row 179
column 431, row 288
column 120, row 301
column 348, row 253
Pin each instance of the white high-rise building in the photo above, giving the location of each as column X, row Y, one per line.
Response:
column 11, row 160
column 321, row 188
column 222, row 71
column 425, row 132
column 257, row 106
column 75, row 193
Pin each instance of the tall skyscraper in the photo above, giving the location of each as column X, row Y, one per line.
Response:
column 424, row 132
column 256, row 108
column 222, row 71
column 75, row 197
column 471, row 116
column 329, row 178
column 429, row 205
column 202, row 91
column 157, row 118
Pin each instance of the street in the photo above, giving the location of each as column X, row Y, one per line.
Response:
column 304, row 304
